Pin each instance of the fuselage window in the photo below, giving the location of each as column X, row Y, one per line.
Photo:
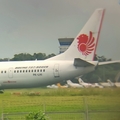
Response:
column 20, row 71
column 43, row 70
column 26, row 70
column 1, row 71
column 23, row 71
column 31, row 70
column 14, row 71
column 40, row 70
column 37, row 70
column 4, row 71
column 34, row 70
column 17, row 71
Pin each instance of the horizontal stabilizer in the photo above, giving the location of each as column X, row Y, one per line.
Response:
column 81, row 63
column 109, row 62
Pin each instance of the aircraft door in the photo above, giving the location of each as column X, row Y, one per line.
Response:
column 56, row 70
column 10, row 72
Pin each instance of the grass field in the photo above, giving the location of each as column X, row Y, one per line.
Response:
column 65, row 104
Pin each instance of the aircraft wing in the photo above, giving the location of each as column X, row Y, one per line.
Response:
column 109, row 62
column 81, row 63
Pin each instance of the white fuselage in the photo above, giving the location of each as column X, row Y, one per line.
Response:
column 74, row 85
column 26, row 74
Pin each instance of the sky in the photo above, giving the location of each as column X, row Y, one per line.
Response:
column 33, row 26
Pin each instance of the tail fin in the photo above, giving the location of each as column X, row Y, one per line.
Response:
column 85, row 43
column 69, row 82
column 80, row 81
column 111, row 83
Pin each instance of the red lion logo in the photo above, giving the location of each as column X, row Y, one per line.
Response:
column 86, row 44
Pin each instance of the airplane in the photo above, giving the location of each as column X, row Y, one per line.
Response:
column 73, row 85
column 52, row 86
column 97, row 85
column 107, row 84
column 111, row 83
column 86, row 85
column 62, row 86
column 77, row 60
column 117, row 84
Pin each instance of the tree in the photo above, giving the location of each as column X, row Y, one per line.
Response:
column 50, row 55
column 36, row 116
column 22, row 57
column 39, row 56
column 27, row 56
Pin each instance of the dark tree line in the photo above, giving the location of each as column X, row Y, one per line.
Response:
column 27, row 56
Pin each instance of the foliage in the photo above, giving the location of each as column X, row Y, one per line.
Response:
column 36, row 116
column 21, row 57
column 27, row 56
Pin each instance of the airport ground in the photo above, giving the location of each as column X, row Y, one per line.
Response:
column 65, row 104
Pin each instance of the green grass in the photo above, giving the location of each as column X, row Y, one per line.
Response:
column 65, row 104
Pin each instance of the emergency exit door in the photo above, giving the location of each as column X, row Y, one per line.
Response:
column 10, row 72
column 56, row 70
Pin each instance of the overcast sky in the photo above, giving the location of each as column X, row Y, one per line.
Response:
column 33, row 26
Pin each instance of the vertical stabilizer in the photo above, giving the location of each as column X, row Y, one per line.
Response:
column 85, row 43
column 80, row 81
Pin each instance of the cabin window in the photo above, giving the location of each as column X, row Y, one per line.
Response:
column 31, row 70
column 34, row 70
column 20, row 71
column 43, row 70
column 4, row 71
column 23, row 71
column 14, row 71
column 37, row 70
column 26, row 70
column 40, row 70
